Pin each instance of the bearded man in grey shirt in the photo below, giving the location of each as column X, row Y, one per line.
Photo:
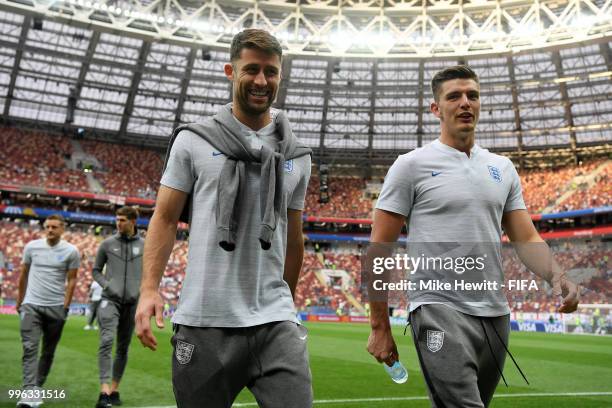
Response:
column 240, row 177
column 46, row 285
column 450, row 193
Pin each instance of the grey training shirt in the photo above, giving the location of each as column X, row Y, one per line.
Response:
column 448, row 197
column 244, row 287
column 48, row 268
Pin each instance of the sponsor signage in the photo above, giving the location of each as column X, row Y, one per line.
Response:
column 537, row 326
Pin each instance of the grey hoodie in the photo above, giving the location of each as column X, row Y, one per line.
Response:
column 122, row 256
column 223, row 132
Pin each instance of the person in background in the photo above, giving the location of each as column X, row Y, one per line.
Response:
column 47, row 280
column 95, row 296
column 122, row 256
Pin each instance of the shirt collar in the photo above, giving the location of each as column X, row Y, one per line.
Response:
column 268, row 130
column 446, row 148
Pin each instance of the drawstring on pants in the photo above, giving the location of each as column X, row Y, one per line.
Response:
column 505, row 348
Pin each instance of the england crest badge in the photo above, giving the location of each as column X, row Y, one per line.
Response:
column 289, row 166
column 435, row 340
column 183, row 351
column 495, row 174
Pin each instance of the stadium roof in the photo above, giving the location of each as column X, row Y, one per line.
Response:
column 348, row 28
column 62, row 65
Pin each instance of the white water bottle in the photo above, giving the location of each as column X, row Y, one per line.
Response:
column 397, row 372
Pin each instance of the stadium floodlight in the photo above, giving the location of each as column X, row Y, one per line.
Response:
column 340, row 40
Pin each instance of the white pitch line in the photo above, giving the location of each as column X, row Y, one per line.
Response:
column 423, row 398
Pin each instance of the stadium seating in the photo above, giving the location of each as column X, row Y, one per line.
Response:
column 569, row 254
column 543, row 187
column 36, row 159
column 128, row 170
column 311, row 290
column 14, row 236
column 172, row 280
column 346, row 198
column 600, row 194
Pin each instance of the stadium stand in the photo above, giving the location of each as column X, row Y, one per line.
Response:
column 346, row 198
column 593, row 259
column 596, row 195
column 15, row 235
column 37, row 159
column 542, row 188
column 135, row 172
column 128, row 170
column 587, row 261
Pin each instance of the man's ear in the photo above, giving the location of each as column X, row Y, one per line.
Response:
column 228, row 69
column 435, row 109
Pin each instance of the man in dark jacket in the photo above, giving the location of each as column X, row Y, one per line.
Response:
column 122, row 256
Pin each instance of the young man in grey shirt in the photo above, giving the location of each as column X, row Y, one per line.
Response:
column 242, row 176
column 46, row 285
column 454, row 192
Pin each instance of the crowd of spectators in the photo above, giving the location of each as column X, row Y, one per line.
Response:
column 310, row 291
column 347, row 199
column 29, row 158
column 15, row 235
column 586, row 263
column 574, row 256
column 39, row 159
column 172, row 281
column 313, row 291
column 543, row 187
column 598, row 195
column 128, row 171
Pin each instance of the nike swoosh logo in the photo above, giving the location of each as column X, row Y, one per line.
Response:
column 435, row 173
column 303, row 338
column 217, row 153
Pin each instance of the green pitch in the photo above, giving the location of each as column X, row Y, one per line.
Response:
column 344, row 375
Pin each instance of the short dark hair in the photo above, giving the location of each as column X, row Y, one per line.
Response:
column 255, row 38
column 56, row 217
column 130, row 212
column 450, row 73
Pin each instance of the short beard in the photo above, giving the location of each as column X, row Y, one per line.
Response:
column 253, row 110
column 250, row 109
